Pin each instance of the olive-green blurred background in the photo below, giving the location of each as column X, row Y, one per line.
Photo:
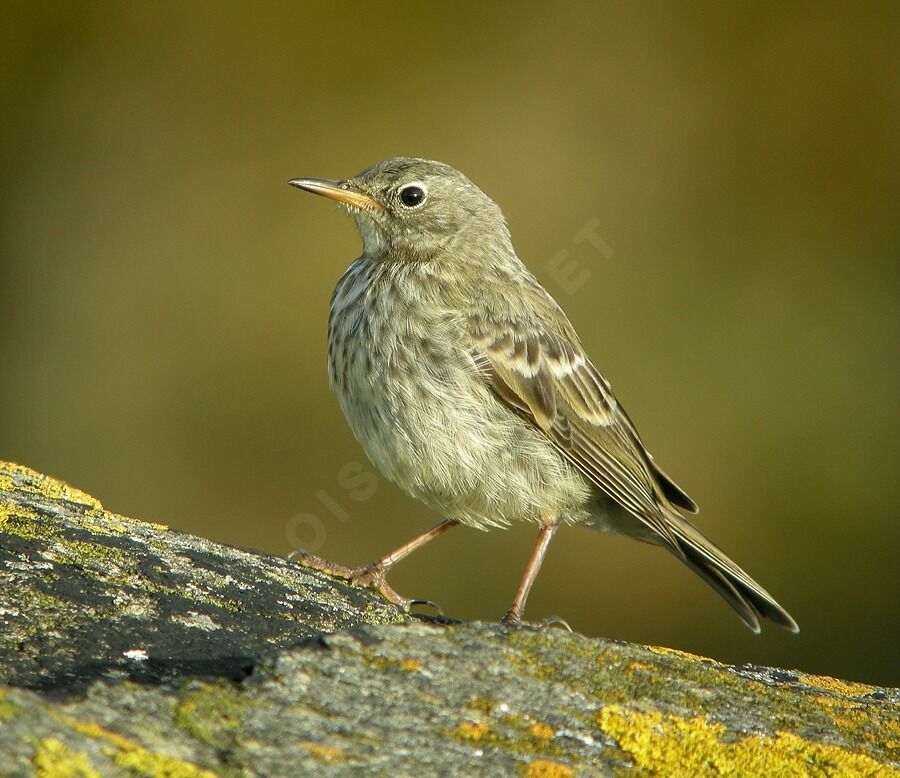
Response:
column 164, row 293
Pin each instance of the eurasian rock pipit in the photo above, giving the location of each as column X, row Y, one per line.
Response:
column 468, row 387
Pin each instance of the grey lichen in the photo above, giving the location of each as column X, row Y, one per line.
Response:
column 83, row 586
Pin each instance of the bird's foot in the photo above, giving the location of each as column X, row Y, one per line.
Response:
column 370, row 576
column 513, row 619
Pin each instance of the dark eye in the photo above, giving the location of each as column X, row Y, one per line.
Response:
column 412, row 195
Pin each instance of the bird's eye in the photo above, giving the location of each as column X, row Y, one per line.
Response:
column 412, row 196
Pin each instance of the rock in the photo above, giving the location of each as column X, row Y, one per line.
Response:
column 89, row 594
column 128, row 649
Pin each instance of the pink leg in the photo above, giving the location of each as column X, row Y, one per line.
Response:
column 514, row 614
column 373, row 574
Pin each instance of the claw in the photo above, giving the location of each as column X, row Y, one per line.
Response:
column 556, row 621
column 429, row 604
column 512, row 619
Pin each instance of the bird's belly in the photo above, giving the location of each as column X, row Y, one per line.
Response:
column 439, row 433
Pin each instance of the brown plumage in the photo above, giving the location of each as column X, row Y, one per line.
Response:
column 467, row 385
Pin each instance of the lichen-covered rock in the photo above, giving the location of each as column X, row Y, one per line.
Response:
column 85, row 593
column 302, row 675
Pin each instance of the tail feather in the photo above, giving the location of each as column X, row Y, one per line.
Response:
column 673, row 492
column 738, row 603
column 746, row 597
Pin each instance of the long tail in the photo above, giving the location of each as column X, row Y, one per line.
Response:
column 746, row 597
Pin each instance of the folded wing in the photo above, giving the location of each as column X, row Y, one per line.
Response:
column 547, row 378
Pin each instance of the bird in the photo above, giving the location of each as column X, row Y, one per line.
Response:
column 468, row 387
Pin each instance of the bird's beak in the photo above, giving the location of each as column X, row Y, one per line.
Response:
column 337, row 190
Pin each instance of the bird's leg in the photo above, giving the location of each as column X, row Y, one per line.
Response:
column 514, row 614
column 373, row 574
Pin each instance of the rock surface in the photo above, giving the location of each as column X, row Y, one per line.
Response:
column 131, row 650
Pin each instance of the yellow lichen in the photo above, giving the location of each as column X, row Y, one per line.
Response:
column 663, row 651
column 14, row 519
column 484, row 705
column 146, row 764
column 49, row 487
column 327, row 754
column 411, row 665
column 131, row 756
column 53, row 759
column 472, row 730
column 847, row 714
column 97, row 519
column 541, row 730
column 861, row 721
column 543, row 768
column 847, row 688
column 671, row 745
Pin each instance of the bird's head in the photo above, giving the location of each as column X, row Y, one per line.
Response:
column 417, row 209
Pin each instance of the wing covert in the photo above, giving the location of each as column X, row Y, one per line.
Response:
column 548, row 379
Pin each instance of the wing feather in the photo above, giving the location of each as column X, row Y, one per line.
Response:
column 547, row 378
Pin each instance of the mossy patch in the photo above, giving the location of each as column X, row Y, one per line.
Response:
column 483, row 705
column 8, row 711
column 211, row 713
column 671, row 745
